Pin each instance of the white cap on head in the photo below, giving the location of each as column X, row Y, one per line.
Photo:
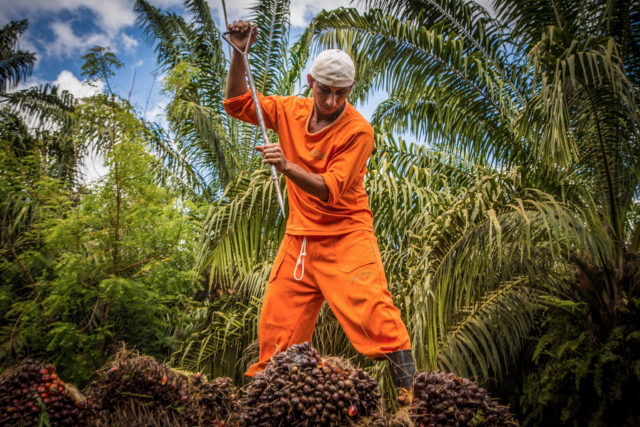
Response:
column 333, row 67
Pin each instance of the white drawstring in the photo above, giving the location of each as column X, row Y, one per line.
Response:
column 303, row 253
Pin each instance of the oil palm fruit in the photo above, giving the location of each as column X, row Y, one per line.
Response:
column 32, row 393
column 445, row 399
column 298, row 387
column 157, row 391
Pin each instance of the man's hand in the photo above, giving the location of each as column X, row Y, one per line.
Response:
column 310, row 182
column 272, row 154
column 242, row 33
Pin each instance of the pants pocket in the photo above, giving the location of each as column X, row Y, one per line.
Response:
column 282, row 252
column 354, row 250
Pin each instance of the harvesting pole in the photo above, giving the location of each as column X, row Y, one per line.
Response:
column 256, row 102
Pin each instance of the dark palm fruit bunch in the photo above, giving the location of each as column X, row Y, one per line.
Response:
column 441, row 398
column 32, row 392
column 212, row 402
column 300, row 388
column 137, row 390
column 137, row 380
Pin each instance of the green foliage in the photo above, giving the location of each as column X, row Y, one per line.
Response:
column 15, row 64
column 113, row 264
column 545, row 94
column 582, row 379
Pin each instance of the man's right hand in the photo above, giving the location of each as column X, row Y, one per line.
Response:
column 242, row 33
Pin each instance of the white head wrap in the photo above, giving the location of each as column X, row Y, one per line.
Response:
column 333, row 67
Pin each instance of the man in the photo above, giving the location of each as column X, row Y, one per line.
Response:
column 329, row 251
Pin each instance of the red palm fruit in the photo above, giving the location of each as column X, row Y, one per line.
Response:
column 164, row 379
column 352, row 411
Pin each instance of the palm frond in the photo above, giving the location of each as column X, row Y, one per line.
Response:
column 233, row 246
column 161, row 28
column 269, row 52
column 426, row 66
column 224, row 331
column 43, row 106
column 15, row 64
column 490, row 334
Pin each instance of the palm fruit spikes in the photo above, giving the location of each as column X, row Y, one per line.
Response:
column 445, row 399
column 299, row 387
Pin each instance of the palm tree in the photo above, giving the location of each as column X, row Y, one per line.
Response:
column 15, row 64
column 547, row 90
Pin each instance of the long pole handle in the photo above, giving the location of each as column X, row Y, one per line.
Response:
column 256, row 103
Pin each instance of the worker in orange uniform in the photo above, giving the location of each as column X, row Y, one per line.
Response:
column 329, row 251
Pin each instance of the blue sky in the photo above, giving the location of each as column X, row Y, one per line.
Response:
column 61, row 31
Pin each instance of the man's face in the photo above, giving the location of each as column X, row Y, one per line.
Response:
column 328, row 99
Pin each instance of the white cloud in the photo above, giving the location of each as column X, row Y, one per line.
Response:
column 67, row 81
column 112, row 15
column 301, row 11
column 167, row 3
column 156, row 111
column 488, row 5
column 92, row 167
column 129, row 42
column 31, row 82
column 110, row 18
column 67, row 42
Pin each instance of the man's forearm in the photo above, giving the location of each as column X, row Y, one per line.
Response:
column 309, row 182
column 236, row 83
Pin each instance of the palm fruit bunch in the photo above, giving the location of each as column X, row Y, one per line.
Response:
column 212, row 402
column 298, row 387
column 137, row 389
column 441, row 398
column 32, row 393
column 141, row 381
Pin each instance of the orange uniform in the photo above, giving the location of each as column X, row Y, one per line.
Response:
column 335, row 237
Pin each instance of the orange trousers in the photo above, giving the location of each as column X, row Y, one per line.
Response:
column 344, row 270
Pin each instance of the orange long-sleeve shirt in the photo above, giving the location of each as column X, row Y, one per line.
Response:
column 339, row 153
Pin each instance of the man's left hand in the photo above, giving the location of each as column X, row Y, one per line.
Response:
column 272, row 154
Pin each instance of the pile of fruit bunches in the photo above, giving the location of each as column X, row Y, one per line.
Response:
column 441, row 398
column 300, row 388
column 31, row 393
column 212, row 402
column 158, row 392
